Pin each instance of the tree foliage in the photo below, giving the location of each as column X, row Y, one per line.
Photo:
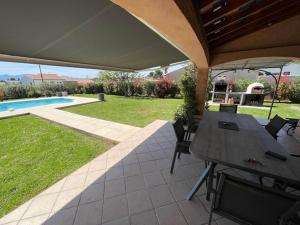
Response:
column 294, row 93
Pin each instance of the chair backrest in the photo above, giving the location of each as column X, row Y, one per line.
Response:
column 179, row 129
column 248, row 203
column 275, row 124
column 228, row 108
column 190, row 118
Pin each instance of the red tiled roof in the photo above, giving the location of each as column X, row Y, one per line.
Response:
column 45, row 77
column 58, row 77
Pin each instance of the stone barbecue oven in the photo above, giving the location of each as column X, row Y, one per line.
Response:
column 255, row 88
column 254, row 95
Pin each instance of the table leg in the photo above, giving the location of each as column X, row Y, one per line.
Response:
column 210, row 180
column 200, row 181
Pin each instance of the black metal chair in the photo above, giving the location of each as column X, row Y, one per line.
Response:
column 274, row 126
column 192, row 125
column 246, row 202
column 228, row 108
column 182, row 146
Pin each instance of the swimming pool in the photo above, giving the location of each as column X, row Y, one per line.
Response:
column 7, row 106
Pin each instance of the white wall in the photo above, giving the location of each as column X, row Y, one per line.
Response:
column 27, row 80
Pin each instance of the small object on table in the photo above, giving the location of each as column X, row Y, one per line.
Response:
column 276, row 155
column 228, row 125
column 254, row 161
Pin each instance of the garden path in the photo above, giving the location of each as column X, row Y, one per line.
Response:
column 107, row 129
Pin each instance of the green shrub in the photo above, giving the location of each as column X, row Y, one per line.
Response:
column 149, row 87
column 241, row 85
column 33, row 92
column 16, row 91
column 162, row 87
column 173, row 90
column 138, row 87
column 71, row 87
column 93, row 88
column 109, row 87
column 188, row 89
column 294, row 93
column 180, row 113
column 283, row 91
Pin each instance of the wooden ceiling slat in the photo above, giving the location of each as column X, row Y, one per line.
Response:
column 211, row 16
column 204, row 3
column 266, row 14
column 259, row 6
column 260, row 23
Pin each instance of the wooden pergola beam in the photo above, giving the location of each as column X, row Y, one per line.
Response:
column 167, row 19
column 178, row 22
column 253, row 23
column 238, row 15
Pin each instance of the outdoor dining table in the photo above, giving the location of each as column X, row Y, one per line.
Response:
column 241, row 137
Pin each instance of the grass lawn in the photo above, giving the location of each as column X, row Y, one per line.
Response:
column 35, row 153
column 135, row 111
column 282, row 109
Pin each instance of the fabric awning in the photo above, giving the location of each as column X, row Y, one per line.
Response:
column 85, row 33
column 255, row 63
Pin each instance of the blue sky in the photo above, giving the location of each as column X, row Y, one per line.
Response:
column 12, row 68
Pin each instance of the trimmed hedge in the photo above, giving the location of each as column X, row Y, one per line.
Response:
column 48, row 90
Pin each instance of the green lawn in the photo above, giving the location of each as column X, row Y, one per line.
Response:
column 35, row 154
column 135, row 111
column 282, row 109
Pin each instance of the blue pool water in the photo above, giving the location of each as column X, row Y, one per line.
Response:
column 32, row 103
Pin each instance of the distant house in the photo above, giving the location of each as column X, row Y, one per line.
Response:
column 36, row 79
column 80, row 81
column 175, row 75
column 46, row 78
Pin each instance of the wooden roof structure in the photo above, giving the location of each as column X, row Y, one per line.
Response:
column 226, row 30
column 135, row 35
column 225, row 20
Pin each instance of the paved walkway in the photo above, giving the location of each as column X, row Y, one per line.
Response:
column 107, row 129
column 130, row 184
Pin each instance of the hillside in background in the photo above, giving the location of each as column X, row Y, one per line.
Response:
column 9, row 77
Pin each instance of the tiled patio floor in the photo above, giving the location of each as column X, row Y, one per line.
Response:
column 129, row 184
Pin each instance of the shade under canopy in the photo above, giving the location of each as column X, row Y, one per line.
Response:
column 255, row 63
column 87, row 33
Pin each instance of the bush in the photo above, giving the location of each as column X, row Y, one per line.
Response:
column 173, row 90
column 71, row 87
column 149, row 87
column 241, row 85
column 138, row 87
column 33, row 92
column 283, row 91
column 93, row 88
column 294, row 93
column 1, row 94
column 162, row 87
column 180, row 113
column 109, row 87
column 188, row 89
column 268, row 88
column 16, row 91
column 50, row 89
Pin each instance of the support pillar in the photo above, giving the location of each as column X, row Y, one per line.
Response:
column 201, row 89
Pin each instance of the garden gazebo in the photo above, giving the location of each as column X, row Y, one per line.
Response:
column 134, row 35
